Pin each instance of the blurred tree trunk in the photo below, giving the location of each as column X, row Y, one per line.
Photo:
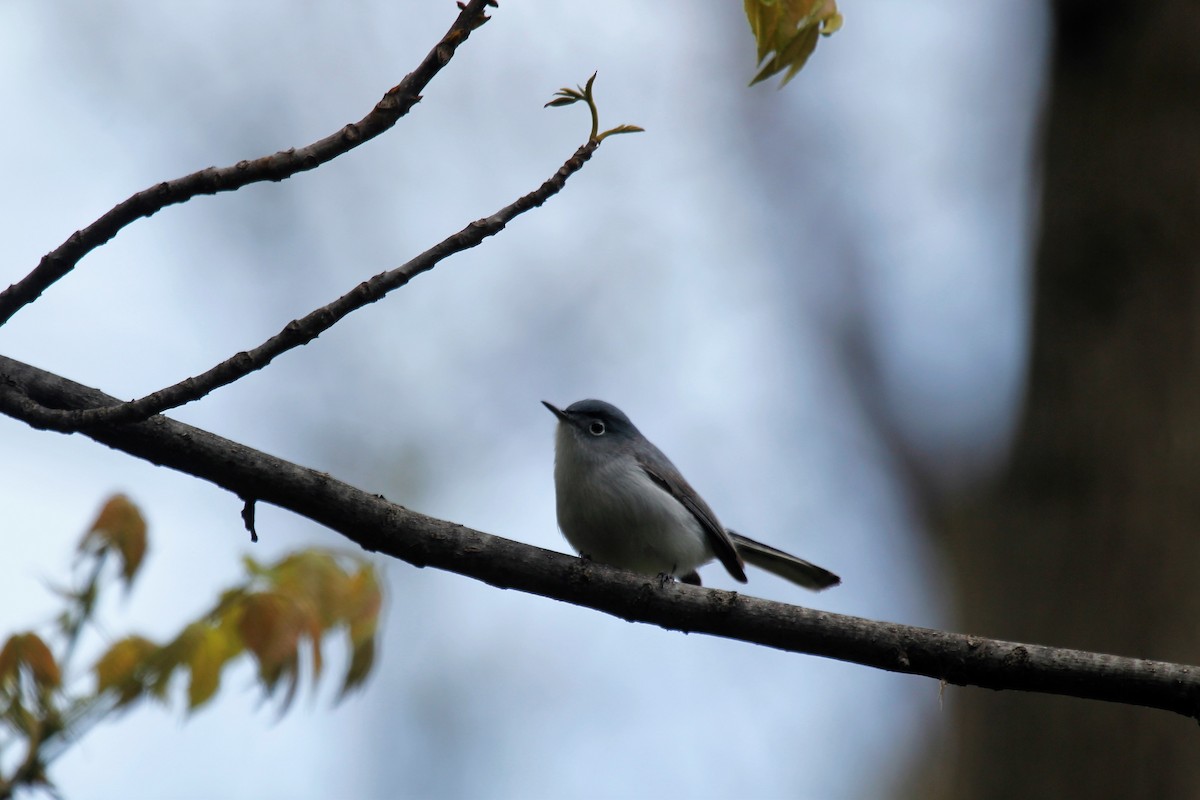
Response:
column 1091, row 537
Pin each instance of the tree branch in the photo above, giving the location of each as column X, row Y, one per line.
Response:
column 380, row 526
column 398, row 101
column 302, row 331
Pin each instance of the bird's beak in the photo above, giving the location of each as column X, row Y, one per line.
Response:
column 558, row 412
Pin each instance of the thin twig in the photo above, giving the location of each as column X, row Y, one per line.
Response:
column 302, row 331
column 398, row 101
column 378, row 525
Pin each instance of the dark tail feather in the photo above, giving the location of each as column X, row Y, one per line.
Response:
column 785, row 565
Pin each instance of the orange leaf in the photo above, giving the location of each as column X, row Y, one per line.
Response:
column 119, row 527
column 27, row 650
column 269, row 628
column 10, row 665
column 291, row 670
column 362, row 659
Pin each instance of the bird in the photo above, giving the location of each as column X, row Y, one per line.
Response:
column 620, row 501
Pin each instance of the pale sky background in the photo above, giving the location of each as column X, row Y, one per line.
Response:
column 711, row 277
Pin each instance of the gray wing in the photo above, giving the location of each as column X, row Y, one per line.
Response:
column 670, row 481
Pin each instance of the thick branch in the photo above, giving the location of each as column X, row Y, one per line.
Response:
column 398, row 101
column 378, row 525
column 302, row 331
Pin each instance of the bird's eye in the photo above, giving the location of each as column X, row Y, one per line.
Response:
column 596, row 428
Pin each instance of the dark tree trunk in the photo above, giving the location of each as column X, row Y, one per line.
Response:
column 1091, row 537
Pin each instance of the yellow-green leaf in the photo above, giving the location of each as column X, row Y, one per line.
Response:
column 174, row 655
column 364, row 598
column 120, row 666
column 315, row 579
column 208, row 657
column 365, row 601
column 788, row 29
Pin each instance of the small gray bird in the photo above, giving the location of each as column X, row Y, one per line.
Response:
column 622, row 502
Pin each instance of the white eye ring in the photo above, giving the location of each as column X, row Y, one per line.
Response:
column 596, row 428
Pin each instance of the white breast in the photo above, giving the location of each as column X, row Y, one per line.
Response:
column 610, row 511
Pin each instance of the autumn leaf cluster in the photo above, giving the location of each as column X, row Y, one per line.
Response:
column 274, row 615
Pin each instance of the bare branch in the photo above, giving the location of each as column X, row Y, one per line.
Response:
column 398, row 101
column 302, row 331
column 378, row 525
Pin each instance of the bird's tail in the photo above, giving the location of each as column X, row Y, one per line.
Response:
column 785, row 565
